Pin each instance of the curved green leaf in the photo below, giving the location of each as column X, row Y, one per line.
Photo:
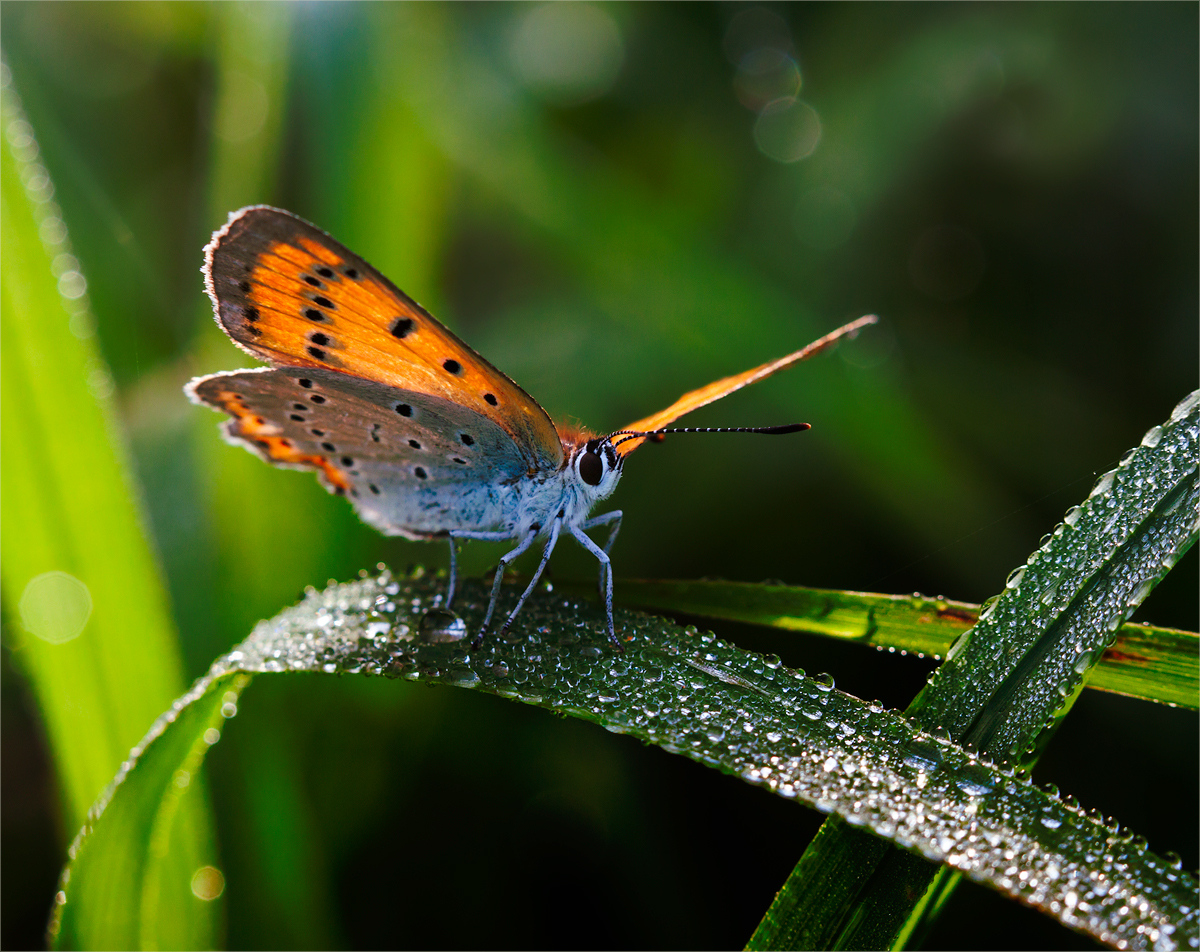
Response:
column 112, row 877
column 730, row 709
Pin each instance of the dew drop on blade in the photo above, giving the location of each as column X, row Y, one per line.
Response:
column 439, row 626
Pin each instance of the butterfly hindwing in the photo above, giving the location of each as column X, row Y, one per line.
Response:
column 289, row 294
column 412, row 464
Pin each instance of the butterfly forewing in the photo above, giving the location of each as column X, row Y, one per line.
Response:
column 702, row 396
column 412, row 464
column 288, row 293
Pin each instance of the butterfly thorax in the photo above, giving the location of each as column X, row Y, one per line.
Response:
column 591, row 471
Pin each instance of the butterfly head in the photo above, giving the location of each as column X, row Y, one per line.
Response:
column 597, row 466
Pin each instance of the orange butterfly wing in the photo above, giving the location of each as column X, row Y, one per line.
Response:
column 289, row 294
column 695, row 399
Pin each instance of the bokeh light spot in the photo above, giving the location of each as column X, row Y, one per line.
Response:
column 764, row 75
column 787, row 130
column 208, row 883
column 244, row 108
column 946, row 262
column 567, row 53
column 55, row 607
column 825, row 217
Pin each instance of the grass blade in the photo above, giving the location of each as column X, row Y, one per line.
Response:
column 732, row 710
column 1009, row 680
column 1145, row 661
column 106, row 872
column 99, row 649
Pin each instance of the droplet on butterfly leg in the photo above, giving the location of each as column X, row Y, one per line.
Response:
column 439, row 626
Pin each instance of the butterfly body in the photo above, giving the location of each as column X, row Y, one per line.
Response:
column 425, row 437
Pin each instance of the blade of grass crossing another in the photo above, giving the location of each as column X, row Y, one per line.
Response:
column 1145, row 661
column 1009, row 681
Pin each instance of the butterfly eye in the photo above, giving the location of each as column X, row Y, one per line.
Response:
column 591, row 469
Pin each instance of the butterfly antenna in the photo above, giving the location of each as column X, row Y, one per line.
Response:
column 770, row 430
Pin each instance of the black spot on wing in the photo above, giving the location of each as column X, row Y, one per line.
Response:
column 402, row 327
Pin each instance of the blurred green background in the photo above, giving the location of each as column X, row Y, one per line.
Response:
column 614, row 204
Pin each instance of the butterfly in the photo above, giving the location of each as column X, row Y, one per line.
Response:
column 390, row 409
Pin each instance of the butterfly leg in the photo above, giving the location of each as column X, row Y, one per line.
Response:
column 614, row 516
column 504, row 560
column 455, row 535
column 555, row 526
column 605, row 574
column 453, row 572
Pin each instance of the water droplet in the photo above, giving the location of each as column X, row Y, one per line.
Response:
column 1103, row 484
column 960, row 644
column 1141, row 592
column 1185, row 406
column 1152, row 437
column 1014, row 577
column 1073, row 515
column 824, row 681
column 439, row 626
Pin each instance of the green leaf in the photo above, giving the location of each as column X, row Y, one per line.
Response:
column 91, row 630
column 739, row 712
column 1147, row 662
column 1009, row 681
column 111, row 879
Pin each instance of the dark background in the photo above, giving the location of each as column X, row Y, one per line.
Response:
column 593, row 200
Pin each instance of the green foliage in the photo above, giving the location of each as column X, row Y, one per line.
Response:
column 1009, row 680
column 1147, row 662
column 98, row 644
column 1012, row 189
